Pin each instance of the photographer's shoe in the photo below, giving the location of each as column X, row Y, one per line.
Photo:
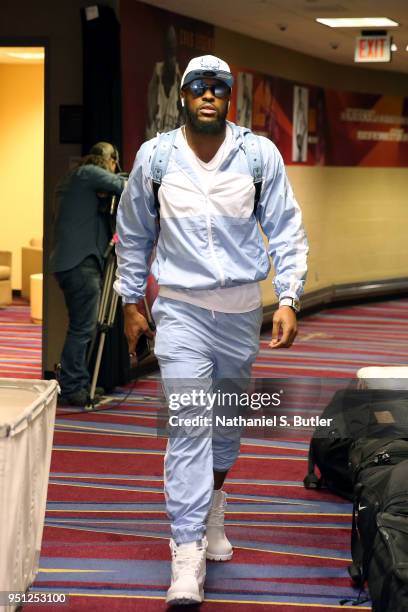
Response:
column 78, row 398
column 219, row 547
column 98, row 390
column 187, row 573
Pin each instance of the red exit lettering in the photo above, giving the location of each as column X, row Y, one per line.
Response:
column 371, row 49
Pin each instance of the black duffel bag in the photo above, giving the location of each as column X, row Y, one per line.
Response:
column 355, row 414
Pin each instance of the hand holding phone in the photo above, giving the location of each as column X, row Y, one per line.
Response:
column 138, row 331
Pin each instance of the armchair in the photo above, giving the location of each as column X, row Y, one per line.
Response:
column 5, row 278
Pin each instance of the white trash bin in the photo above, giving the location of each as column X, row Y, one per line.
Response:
column 387, row 377
column 27, row 417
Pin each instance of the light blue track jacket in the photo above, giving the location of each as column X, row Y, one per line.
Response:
column 209, row 240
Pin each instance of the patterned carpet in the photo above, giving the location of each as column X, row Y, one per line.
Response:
column 106, row 536
column 20, row 342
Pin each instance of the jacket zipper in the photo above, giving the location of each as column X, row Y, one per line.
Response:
column 211, row 244
column 208, row 223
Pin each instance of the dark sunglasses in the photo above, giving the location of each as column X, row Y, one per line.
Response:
column 199, row 87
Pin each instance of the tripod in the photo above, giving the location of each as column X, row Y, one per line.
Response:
column 109, row 298
column 106, row 317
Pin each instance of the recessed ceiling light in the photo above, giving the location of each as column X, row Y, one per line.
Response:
column 357, row 22
column 27, row 56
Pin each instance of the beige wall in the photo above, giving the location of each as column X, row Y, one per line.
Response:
column 355, row 218
column 356, row 221
column 21, row 170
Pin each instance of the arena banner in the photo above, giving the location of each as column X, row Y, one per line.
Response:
column 315, row 126
column 156, row 48
column 366, row 129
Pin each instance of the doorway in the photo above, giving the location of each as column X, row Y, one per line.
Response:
column 22, row 179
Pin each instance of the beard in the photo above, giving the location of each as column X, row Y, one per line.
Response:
column 214, row 127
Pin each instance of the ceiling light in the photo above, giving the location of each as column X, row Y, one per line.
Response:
column 27, row 56
column 357, row 22
column 406, row 48
column 394, row 47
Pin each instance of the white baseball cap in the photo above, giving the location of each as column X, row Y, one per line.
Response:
column 207, row 66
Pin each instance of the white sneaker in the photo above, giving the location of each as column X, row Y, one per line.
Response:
column 219, row 547
column 187, row 573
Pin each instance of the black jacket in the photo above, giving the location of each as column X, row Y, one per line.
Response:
column 80, row 229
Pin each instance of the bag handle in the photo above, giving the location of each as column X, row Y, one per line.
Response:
column 311, row 480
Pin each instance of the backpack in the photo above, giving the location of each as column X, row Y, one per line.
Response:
column 164, row 149
column 355, row 414
column 388, row 576
column 379, row 539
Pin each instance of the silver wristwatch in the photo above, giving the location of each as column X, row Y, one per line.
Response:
column 288, row 301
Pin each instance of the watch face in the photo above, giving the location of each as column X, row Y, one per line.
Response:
column 296, row 305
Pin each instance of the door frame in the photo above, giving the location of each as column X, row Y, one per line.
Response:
column 36, row 41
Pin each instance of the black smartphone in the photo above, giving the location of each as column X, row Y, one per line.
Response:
column 143, row 348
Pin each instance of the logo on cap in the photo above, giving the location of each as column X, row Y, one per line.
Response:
column 210, row 63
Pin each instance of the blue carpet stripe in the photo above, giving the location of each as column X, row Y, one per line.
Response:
column 288, row 483
column 318, row 507
column 229, row 521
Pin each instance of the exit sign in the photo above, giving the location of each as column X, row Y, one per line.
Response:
column 373, row 49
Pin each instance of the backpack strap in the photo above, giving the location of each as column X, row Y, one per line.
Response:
column 160, row 162
column 254, row 158
column 356, row 569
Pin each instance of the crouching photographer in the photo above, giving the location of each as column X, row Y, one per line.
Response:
column 82, row 232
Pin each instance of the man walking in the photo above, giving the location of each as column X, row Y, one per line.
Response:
column 209, row 259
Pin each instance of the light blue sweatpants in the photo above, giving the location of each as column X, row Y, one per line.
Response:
column 196, row 347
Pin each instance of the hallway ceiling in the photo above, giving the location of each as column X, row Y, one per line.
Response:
column 291, row 24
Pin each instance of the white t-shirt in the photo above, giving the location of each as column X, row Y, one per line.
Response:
column 242, row 298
